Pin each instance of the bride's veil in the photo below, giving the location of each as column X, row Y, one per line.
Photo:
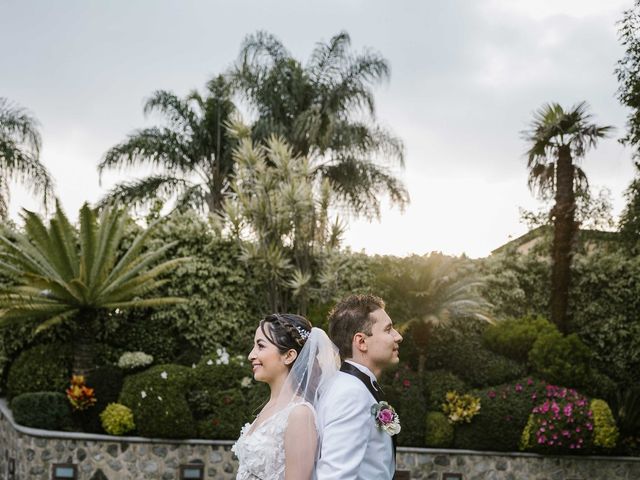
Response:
column 310, row 376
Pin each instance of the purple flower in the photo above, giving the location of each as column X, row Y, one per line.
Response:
column 385, row 416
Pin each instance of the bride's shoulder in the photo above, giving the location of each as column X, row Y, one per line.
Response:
column 302, row 411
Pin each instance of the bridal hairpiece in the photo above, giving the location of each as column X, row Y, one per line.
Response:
column 303, row 333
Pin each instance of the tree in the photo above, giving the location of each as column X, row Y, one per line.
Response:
column 557, row 138
column 193, row 151
column 280, row 215
column 71, row 277
column 430, row 291
column 326, row 111
column 630, row 218
column 19, row 155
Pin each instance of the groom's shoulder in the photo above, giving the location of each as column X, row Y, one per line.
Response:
column 346, row 384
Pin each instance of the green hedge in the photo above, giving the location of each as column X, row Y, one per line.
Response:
column 46, row 410
column 504, row 411
column 404, row 392
column 157, row 398
column 43, row 368
column 463, row 353
column 514, row 338
column 437, row 383
column 438, row 431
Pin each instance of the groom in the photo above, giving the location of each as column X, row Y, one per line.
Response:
column 354, row 444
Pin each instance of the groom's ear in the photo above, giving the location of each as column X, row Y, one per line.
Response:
column 359, row 342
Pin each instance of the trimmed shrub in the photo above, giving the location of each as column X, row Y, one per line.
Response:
column 605, row 431
column 46, row 410
column 438, row 431
column 43, row 368
column 562, row 423
column 142, row 333
column 106, row 382
column 515, row 337
column 224, row 395
column 117, row 419
column 157, row 400
column 404, row 394
column 229, row 414
column 465, row 355
column 436, row 384
column 561, row 360
column 134, row 360
column 503, row 415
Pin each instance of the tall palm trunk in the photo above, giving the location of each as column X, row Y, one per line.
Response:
column 84, row 344
column 563, row 239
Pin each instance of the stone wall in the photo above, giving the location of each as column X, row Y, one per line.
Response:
column 99, row 457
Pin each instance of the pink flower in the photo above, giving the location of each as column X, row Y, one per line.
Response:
column 529, row 382
column 406, row 383
column 568, row 410
column 491, row 394
column 518, row 388
column 385, row 416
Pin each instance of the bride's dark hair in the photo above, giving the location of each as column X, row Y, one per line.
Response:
column 286, row 330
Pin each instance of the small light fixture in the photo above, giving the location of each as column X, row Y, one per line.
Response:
column 61, row 471
column 11, row 468
column 192, row 471
column 451, row 476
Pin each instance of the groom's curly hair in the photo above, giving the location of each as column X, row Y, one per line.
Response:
column 350, row 316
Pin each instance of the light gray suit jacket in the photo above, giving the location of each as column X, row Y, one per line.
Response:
column 352, row 447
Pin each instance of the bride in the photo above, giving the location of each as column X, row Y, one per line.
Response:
column 296, row 361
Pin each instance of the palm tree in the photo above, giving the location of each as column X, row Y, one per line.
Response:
column 19, row 155
column 66, row 276
column 557, row 138
column 325, row 110
column 435, row 290
column 192, row 153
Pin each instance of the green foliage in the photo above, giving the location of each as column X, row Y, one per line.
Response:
column 194, row 144
column 325, row 109
column 157, row 398
column 561, row 422
column 222, row 307
column 79, row 274
column 224, row 396
column 46, row 410
column 19, row 155
column 437, row 383
column 288, row 216
column 629, row 233
column 106, row 382
column 464, row 354
column 561, row 360
column 39, row 369
column 606, row 306
column 461, row 408
column 605, row 431
column 404, row 394
column 516, row 285
column 141, row 331
column 502, row 417
column 438, row 431
column 515, row 337
column 117, row 419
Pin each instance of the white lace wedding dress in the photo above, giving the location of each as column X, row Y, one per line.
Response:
column 261, row 452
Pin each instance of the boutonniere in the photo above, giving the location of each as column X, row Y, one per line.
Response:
column 386, row 418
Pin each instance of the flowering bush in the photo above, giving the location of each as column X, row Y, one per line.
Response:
column 460, row 408
column 117, row 419
column 563, row 422
column 132, row 360
column 80, row 396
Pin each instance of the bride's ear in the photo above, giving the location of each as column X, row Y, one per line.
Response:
column 290, row 357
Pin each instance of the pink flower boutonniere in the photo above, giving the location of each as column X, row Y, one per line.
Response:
column 386, row 418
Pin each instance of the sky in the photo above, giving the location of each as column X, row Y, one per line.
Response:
column 466, row 77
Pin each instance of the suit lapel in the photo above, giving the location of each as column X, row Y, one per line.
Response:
column 346, row 367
